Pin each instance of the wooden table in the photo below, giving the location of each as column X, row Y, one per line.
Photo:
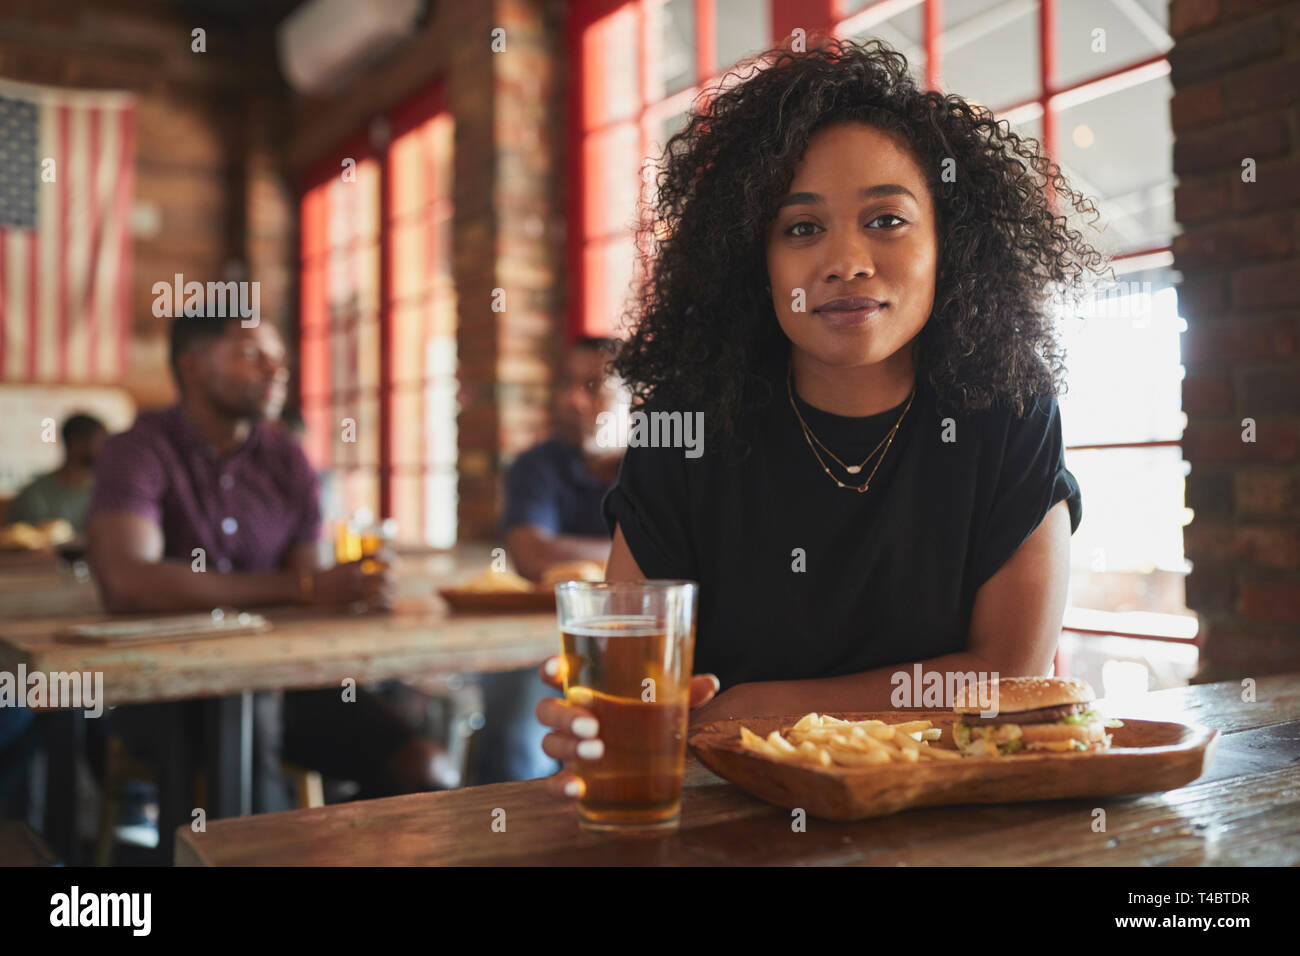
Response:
column 306, row 648
column 1246, row 810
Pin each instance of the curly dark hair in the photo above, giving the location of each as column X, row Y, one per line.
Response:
column 703, row 331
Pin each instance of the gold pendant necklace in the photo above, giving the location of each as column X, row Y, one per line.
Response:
column 809, row 437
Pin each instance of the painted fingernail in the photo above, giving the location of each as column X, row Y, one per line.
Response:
column 552, row 666
column 585, row 726
column 573, row 789
column 717, row 684
column 591, row 749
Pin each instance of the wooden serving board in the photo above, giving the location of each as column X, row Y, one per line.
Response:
column 1146, row 756
column 499, row 601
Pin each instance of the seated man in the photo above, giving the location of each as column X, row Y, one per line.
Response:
column 65, row 492
column 552, row 516
column 207, row 504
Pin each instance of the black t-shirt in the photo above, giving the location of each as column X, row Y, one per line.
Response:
column 882, row 577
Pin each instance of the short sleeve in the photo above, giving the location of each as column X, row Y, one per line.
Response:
column 129, row 476
column 531, row 495
column 1031, row 480
column 651, row 503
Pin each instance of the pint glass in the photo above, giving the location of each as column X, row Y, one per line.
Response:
column 627, row 650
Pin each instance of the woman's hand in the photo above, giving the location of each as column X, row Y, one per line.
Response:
column 576, row 732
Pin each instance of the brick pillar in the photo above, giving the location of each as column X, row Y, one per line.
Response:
column 510, row 236
column 1236, row 78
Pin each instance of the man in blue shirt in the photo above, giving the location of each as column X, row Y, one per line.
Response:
column 552, row 515
column 553, row 490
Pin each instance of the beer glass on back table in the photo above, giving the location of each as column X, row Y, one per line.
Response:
column 627, row 652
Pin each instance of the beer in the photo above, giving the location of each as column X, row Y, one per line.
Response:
column 634, row 676
column 371, row 542
column 347, row 542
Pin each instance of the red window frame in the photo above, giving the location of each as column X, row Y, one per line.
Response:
column 363, row 146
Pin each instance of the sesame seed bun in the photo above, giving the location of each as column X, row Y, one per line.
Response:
column 1010, row 695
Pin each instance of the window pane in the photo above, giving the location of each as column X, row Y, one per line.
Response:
column 612, row 158
column 408, row 507
column 368, row 430
column 1133, row 510
column 367, row 346
column 1030, row 129
column 1113, row 152
column 902, row 32
column 440, row 509
column 411, row 187
column 409, row 320
column 1117, row 666
column 359, row 488
column 610, row 268
column 1124, row 369
column 412, row 260
column 408, row 428
column 742, row 28
column 676, row 66
column 990, row 51
column 1105, row 35
column 440, row 404
column 609, row 51
column 343, row 415
column 354, row 206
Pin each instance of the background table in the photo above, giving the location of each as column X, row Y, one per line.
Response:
column 1245, row 810
column 307, row 647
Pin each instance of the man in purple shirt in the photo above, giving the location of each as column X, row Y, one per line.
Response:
column 207, row 504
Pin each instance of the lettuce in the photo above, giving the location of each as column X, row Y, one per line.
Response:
column 1088, row 716
column 1012, row 747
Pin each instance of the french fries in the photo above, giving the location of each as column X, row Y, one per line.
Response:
column 822, row 740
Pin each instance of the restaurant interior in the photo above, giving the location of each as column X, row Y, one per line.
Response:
column 427, row 213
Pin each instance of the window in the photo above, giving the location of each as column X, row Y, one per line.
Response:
column 1090, row 82
column 1087, row 82
column 378, row 324
column 642, row 64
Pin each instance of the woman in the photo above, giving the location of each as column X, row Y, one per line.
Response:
column 852, row 280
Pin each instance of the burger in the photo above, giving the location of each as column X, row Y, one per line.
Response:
column 1033, row 714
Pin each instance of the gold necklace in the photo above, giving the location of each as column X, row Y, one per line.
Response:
column 851, row 469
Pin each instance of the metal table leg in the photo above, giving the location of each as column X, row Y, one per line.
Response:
column 228, row 746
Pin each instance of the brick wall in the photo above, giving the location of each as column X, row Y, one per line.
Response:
column 1236, row 77
column 207, row 155
column 508, row 229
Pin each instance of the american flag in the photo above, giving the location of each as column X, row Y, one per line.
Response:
column 67, row 161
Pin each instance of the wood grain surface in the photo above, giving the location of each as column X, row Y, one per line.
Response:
column 1244, row 811
column 307, row 647
column 304, row 648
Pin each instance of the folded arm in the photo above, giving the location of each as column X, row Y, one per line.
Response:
column 126, row 555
